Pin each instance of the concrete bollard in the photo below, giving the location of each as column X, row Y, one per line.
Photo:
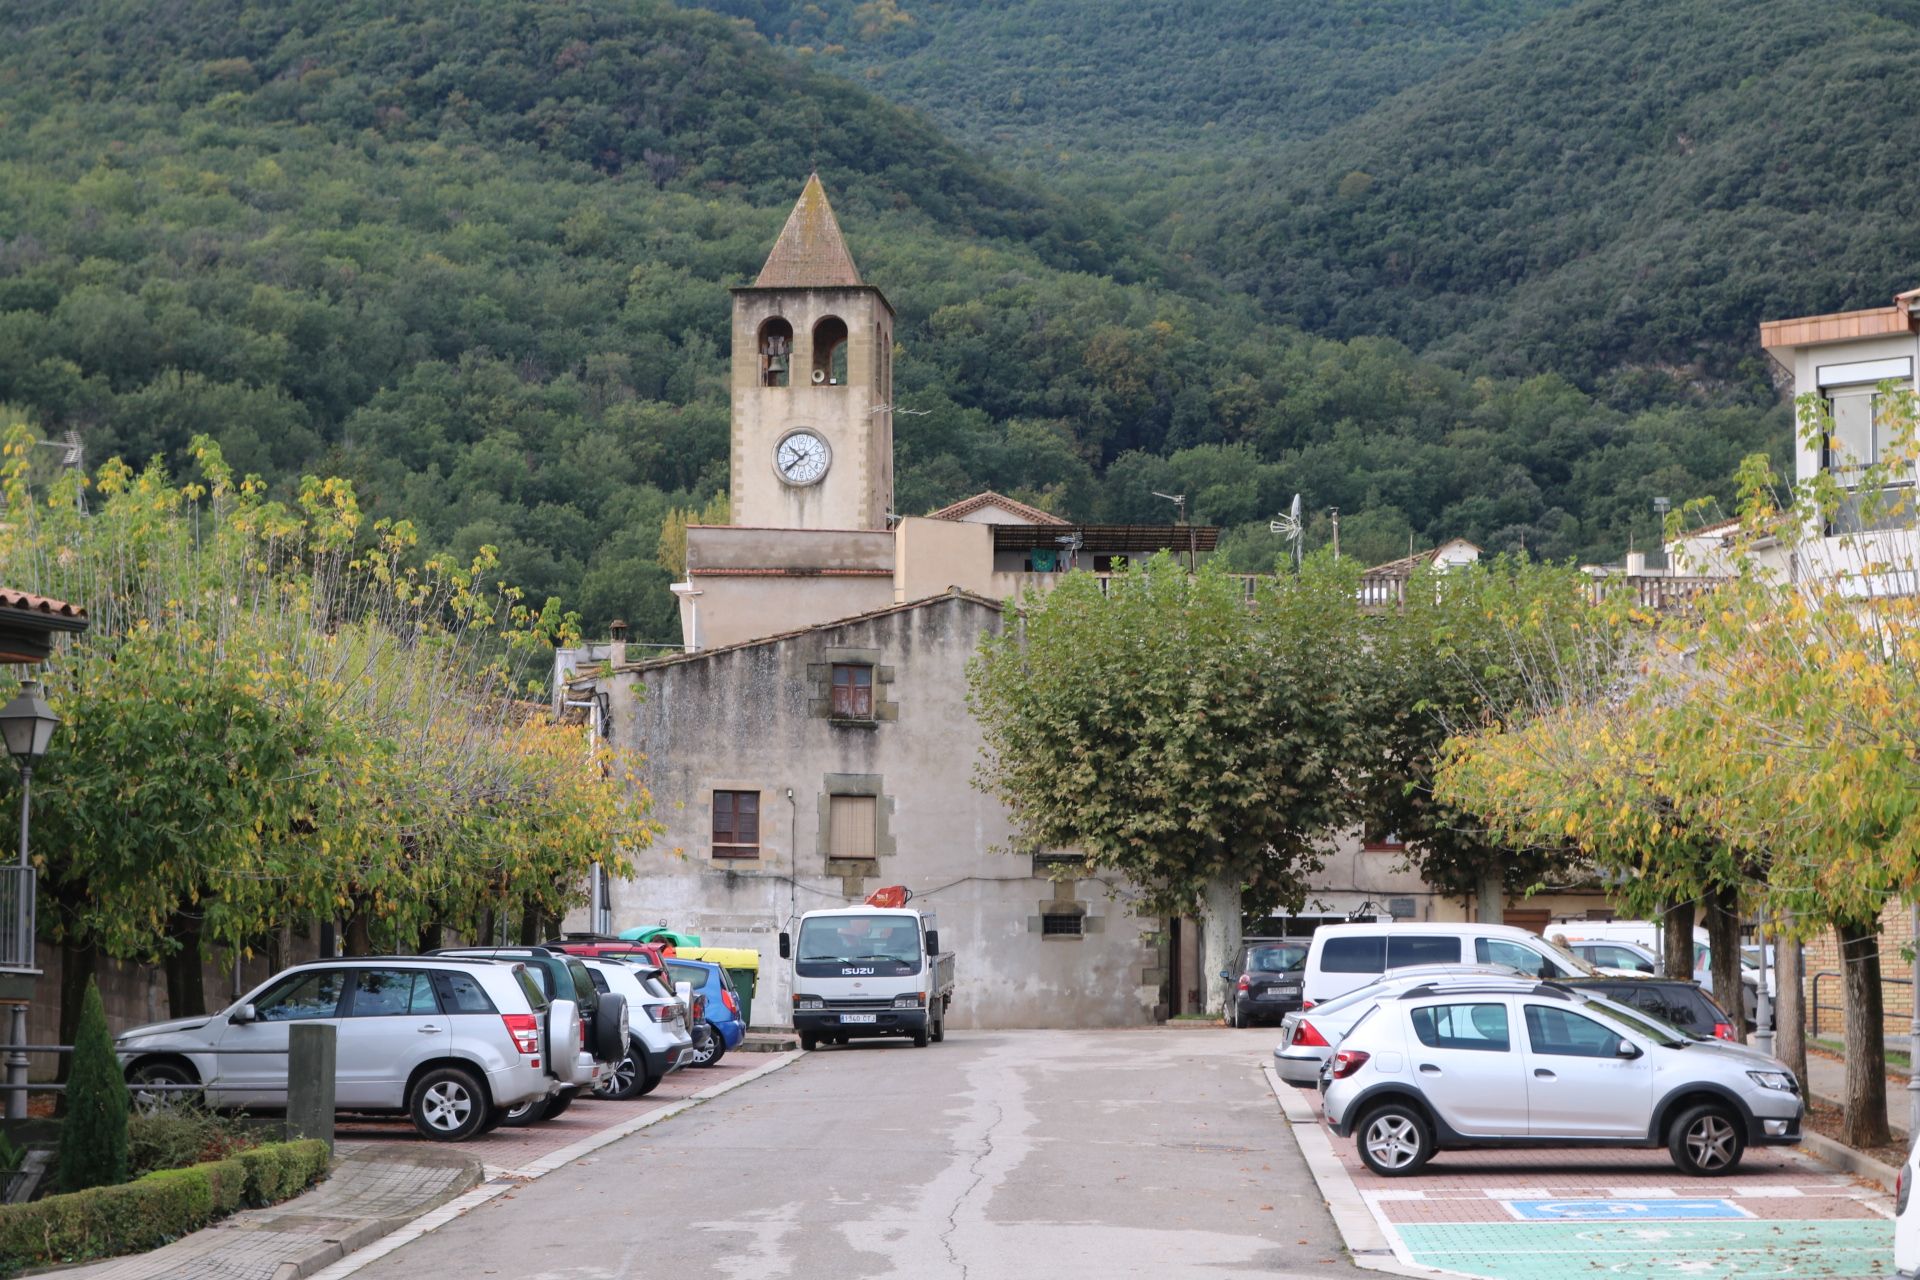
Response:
column 310, row 1067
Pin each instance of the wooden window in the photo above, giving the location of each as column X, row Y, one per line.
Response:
column 736, row 824
column 1388, row 843
column 852, row 691
column 851, row 826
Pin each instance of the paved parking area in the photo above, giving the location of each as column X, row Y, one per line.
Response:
column 1550, row 1215
column 508, row 1151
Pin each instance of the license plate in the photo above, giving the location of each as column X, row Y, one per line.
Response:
column 859, row 1017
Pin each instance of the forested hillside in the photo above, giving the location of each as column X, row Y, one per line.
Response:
column 475, row 257
column 1615, row 190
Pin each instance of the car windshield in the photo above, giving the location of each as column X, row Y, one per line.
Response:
column 1574, row 962
column 1635, row 1020
column 849, row 939
column 1278, row 958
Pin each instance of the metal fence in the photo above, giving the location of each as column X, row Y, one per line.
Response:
column 1841, row 1009
column 16, row 917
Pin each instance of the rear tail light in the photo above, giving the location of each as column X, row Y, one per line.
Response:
column 1348, row 1061
column 1243, row 982
column 1723, row 1031
column 1307, row 1004
column 663, row 1012
column 733, row 1006
column 525, row 1030
column 699, row 1006
column 1307, row 1034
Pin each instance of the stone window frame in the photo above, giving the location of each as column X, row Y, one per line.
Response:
column 704, row 808
column 1064, row 904
column 855, row 784
column 886, row 709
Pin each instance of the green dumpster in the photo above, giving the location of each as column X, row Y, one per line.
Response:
column 742, row 965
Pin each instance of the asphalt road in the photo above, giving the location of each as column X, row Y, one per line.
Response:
column 993, row 1156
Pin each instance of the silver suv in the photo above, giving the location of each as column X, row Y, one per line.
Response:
column 453, row 1043
column 1452, row 1065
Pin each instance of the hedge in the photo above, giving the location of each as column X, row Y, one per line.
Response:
column 148, row 1212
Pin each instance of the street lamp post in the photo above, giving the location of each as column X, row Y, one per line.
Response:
column 26, row 725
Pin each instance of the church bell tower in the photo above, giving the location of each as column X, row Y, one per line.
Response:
column 812, row 384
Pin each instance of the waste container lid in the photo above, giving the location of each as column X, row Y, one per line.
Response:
column 658, row 933
column 725, row 957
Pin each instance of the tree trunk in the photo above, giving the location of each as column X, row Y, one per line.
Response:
column 1723, row 935
column 1865, row 1121
column 1790, row 1011
column 430, row 935
column 77, row 964
column 1220, row 939
column 358, row 939
column 1678, row 947
column 1493, row 895
column 186, row 969
column 530, row 922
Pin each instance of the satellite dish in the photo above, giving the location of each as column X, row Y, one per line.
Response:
column 1290, row 527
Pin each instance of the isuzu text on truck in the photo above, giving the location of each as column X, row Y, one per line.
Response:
column 873, row 970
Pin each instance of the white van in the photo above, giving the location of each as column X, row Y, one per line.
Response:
column 1345, row 957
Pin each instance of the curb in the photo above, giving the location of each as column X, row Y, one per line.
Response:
column 1844, row 1158
column 365, row 1231
column 378, row 1245
column 1367, row 1245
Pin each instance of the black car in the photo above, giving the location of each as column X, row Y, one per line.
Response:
column 1675, row 1001
column 1265, row 985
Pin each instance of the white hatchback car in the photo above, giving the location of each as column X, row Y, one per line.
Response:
column 1906, row 1222
column 659, row 1040
column 453, row 1043
column 1456, row 1066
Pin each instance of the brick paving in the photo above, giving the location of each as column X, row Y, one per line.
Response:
column 1627, row 1214
column 508, row 1150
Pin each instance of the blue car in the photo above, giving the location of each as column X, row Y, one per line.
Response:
column 723, row 1008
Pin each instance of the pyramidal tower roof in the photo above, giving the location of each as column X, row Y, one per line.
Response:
column 810, row 253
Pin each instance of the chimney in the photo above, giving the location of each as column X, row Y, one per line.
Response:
column 617, row 650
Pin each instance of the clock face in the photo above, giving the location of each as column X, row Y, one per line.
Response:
column 801, row 457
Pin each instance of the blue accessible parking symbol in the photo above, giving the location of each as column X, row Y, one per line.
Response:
column 1649, row 1210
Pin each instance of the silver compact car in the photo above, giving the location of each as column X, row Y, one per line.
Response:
column 1308, row 1036
column 452, row 1043
column 1456, row 1065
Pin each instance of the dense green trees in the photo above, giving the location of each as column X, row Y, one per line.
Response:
column 479, row 270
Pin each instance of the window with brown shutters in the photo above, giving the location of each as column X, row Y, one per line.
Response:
column 852, row 828
column 736, row 824
column 852, row 691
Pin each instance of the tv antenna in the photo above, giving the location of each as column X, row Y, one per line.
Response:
column 1292, row 528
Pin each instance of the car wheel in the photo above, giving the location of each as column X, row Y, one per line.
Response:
column 448, row 1105
column 560, row 1102
column 715, row 1051
column 940, row 1028
column 162, row 1072
column 622, row 1080
column 611, row 1032
column 1706, row 1141
column 809, row 1041
column 1394, row 1140
column 496, row 1116
column 532, row 1111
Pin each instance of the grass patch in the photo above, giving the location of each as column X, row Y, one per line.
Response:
column 1838, row 1049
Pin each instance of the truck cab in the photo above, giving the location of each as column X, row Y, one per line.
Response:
column 866, row 971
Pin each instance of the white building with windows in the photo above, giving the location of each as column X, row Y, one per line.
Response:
column 1849, row 360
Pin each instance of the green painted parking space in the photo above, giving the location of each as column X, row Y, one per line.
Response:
column 1752, row 1250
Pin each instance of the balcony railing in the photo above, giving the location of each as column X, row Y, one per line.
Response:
column 17, row 886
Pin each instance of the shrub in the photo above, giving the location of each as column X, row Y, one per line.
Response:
column 93, row 1138
column 147, row 1213
column 173, row 1137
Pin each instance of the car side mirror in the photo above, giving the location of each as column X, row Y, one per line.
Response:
column 933, row 942
column 1226, row 975
column 245, row 1013
column 1628, row 1050
column 786, row 946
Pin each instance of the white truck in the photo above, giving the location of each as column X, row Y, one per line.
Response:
column 871, row 970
